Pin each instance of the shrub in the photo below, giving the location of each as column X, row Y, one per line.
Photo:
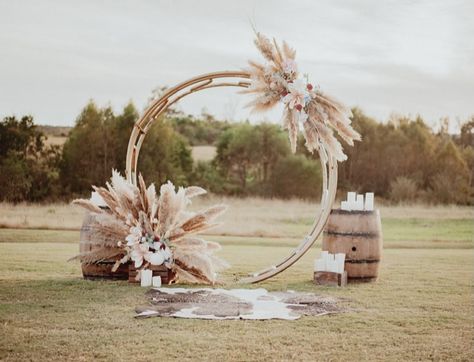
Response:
column 296, row 176
column 403, row 189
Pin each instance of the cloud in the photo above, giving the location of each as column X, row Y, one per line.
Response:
column 402, row 56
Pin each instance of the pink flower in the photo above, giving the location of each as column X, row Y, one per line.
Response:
column 297, row 94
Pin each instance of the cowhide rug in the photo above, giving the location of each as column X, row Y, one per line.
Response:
column 209, row 303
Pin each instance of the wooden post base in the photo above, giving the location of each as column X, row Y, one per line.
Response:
column 158, row 270
column 330, row 278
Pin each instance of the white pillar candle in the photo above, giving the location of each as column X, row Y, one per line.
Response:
column 324, row 257
column 156, row 281
column 340, row 259
column 351, row 200
column 360, row 203
column 145, row 277
column 330, row 262
column 319, row 265
column 345, row 206
column 369, row 201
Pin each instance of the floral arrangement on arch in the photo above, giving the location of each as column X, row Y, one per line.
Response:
column 306, row 106
column 134, row 224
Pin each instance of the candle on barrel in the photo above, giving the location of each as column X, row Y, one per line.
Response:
column 369, row 201
column 351, row 200
column 345, row 206
column 146, row 278
column 359, row 203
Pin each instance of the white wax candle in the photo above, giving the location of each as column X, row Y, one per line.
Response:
column 156, row 281
column 351, row 197
column 345, row 206
column 324, row 257
column 369, row 201
column 351, row 201
column 340, row 259
column 319, row 265
column 360, row 203
column 145, row 278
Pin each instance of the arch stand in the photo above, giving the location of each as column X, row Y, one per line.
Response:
column 220, row 79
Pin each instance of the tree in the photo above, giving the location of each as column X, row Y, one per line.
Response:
column 236, row 154
column 28, row 168
column 99, row 141
column 247, row 154
column 296, row 176
column 122, row 130
column 88, row 154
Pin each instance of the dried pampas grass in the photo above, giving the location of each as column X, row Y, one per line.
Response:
column 164, row 217
column 319, row 114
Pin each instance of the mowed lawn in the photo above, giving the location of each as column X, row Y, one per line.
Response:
column 421, row 308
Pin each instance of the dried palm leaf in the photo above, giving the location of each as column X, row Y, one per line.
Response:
column 98, row 255
column 193, row 191
column 88, row 205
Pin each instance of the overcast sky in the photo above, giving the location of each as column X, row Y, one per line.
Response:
column 404, row 57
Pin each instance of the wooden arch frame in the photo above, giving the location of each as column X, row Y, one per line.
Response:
column 221, row 79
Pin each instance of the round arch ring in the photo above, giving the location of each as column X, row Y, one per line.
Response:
column 233, row 79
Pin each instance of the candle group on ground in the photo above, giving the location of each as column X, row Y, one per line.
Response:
column 147, row 279
column 330, row 262
column 356, row 202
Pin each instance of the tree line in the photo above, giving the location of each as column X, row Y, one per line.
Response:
column 403, row 160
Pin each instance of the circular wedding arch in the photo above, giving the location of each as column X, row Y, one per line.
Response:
column 233, row 79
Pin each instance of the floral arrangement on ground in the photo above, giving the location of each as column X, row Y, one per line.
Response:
column 133, row 224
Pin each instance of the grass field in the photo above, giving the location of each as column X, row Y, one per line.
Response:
column 421, row 308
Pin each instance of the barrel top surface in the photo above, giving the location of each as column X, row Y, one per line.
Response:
column 353, row 212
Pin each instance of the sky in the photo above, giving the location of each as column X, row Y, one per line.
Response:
column 386, row 57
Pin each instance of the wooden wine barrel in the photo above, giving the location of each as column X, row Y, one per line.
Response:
column 358, row 234
column 103, row 269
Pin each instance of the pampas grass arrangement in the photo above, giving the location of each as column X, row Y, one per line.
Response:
column 134, row 224
column 317, row 113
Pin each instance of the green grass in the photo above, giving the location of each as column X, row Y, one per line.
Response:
column 398, row 233
column 421, row 308
column 413, row 229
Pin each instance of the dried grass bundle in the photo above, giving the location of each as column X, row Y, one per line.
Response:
column 317, row 113
column 141, row 226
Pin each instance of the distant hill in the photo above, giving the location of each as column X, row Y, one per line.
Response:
column 56, row 135
column 55, row 131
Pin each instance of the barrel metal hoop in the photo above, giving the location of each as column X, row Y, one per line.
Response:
column 367, row 235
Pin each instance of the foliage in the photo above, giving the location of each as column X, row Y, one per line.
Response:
column 403, row 189
column 199, row 131
column 99, row 141
column 28, row 168
column 405, row 148
column 246, row 155
column 250, row 159
column 304, row 180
